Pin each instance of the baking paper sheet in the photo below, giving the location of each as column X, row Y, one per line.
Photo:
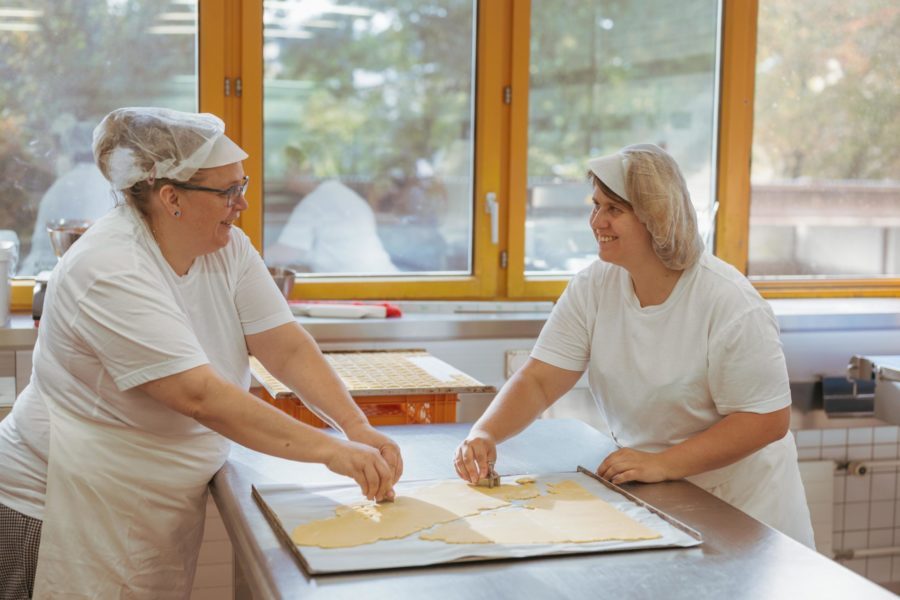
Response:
column 288, row 506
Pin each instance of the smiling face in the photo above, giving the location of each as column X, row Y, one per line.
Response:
column 623, row 239
column 205, row 215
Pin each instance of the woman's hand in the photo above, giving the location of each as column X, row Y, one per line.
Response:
column 473, row 455
column 365, row 465
column 390, row 451
column 627, row 464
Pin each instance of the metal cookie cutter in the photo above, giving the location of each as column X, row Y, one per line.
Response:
column 492, row 479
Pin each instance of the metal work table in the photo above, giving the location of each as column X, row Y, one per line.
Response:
column 793, row 315
column 740, row 557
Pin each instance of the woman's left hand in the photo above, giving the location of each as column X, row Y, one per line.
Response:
column 390, row 451
column 627, row 464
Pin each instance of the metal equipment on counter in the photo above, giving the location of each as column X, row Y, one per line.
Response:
column 885, row 372
column 63, row 233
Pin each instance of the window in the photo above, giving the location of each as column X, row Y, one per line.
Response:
column 67, row 64
column 369, row 137
column 455, row 132
column 825, row 186
column 603, row 75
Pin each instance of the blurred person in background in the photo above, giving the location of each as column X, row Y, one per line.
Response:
column 332, row 229
column 683, row 355
column 80, row 192
column 141, row 374
column 412, row 208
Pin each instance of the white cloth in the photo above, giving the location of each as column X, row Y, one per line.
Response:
column 127, row 477
column 662, row 374
column 333, row 230
column 125, row 510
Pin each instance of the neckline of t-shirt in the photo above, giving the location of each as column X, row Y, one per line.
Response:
column 150, row 241
column 632, row 301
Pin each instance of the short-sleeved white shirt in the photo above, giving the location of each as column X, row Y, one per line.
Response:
column 661, row 374
column 117, row 316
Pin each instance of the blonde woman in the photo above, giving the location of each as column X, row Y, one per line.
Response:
column 683, row 355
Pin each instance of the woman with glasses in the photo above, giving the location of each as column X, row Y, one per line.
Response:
column 683, row 355
column 141, row 376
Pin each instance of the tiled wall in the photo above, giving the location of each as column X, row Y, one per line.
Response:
column 866, row 507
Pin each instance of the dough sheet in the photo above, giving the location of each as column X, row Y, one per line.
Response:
column 367, row 522
column 568, row 513
column 465, row 514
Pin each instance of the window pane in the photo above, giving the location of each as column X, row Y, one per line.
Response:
column 605, row 75
column 825, row 195
column 66, row 64
column 369, row 136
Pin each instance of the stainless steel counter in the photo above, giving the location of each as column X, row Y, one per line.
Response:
column 19, row 332
column 740, row 557
column 800, row 315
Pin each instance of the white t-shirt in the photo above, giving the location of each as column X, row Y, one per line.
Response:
column 333, row 230
column 116, row 316
column 662, row 374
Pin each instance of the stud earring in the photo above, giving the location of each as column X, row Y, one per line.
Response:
column 177, row 213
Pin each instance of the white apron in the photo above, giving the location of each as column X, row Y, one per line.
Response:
column 124, row 510
column 766, row 485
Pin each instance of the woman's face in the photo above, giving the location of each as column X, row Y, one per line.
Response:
column 208, row 218
column 623, row 239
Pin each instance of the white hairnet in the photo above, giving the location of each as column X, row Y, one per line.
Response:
column 140, row 144
column 650, row 180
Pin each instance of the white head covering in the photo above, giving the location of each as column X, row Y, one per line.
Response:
column 145, row 143
column 610, row 170
column 648, row 178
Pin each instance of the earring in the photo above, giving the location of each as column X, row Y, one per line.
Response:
column 177, row 213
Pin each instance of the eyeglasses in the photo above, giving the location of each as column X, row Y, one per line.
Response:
column 230, row 194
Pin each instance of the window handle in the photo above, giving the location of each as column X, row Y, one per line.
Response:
column 492, row 208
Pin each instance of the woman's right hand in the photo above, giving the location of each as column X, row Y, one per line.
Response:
column 365, row 465
column 473, row 455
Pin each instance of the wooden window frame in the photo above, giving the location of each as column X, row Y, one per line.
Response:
column 491, row 131
column 230, row 46
column 736, row 143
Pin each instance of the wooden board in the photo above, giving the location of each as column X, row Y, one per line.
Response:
column 385, row 372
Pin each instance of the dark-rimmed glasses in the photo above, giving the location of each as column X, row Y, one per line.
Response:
column 230, row 194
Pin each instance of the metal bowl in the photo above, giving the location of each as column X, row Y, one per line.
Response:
column 284, row 279
column 65, row 232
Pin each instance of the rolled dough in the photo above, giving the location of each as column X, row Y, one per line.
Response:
column 364, row 523
column 465, row 514
column 568, row 513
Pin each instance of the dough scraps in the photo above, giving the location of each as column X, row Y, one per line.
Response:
column 367, row 522
column 568, row 513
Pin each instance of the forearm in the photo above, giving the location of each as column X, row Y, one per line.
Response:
column 241, row 416
column 305, row 371
column 736, row 436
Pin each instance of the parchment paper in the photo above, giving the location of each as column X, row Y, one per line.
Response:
column 288, row 506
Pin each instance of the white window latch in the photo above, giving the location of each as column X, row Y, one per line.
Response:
column 492, row 208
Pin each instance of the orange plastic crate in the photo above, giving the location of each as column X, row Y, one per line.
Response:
column 419, row 409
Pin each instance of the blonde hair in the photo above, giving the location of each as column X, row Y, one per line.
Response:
column 661, row 201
